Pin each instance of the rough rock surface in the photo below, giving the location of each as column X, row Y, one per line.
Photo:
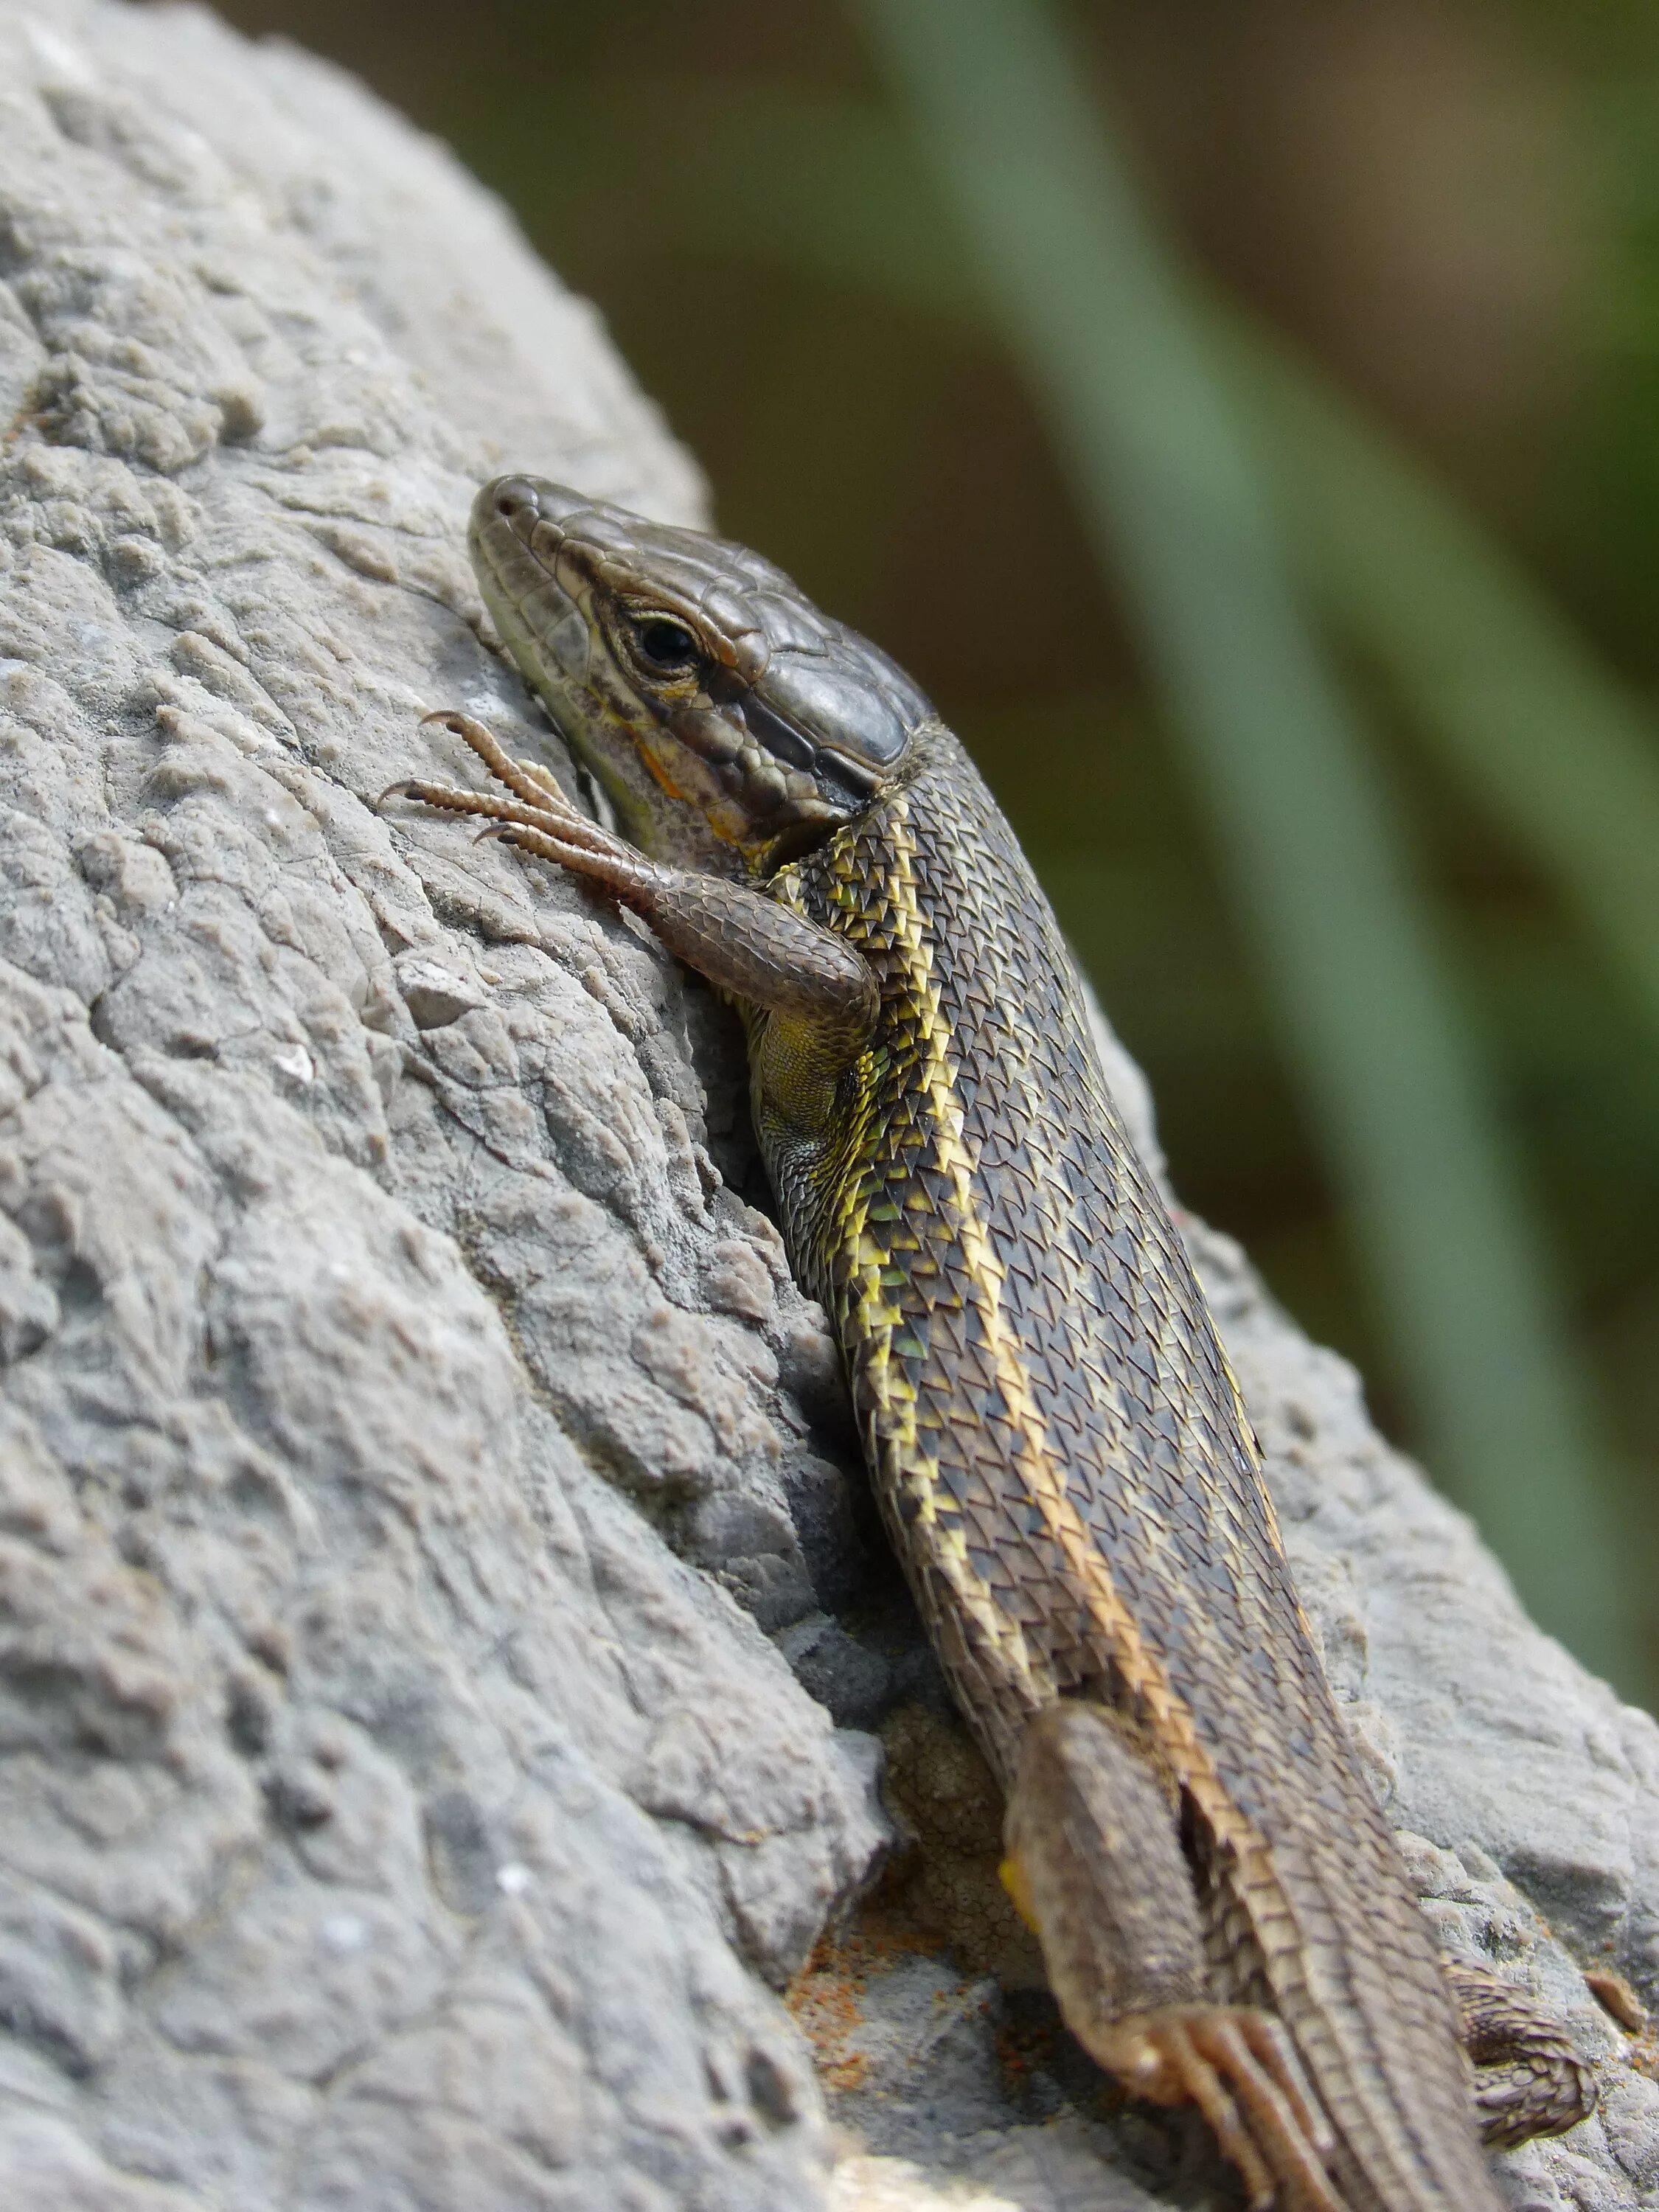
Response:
column 417, row 1472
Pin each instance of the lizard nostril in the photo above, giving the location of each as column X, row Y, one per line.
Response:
column 513, row 497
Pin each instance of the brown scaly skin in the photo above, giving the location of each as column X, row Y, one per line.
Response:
column 1058, row 1446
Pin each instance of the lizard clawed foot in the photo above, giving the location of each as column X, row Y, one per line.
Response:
column 1095, row 1863
column 1239, row 2066
column 526, row 780
column 1530, row 2079
column 537, row 817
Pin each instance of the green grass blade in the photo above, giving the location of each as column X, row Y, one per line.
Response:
column 1547, row 740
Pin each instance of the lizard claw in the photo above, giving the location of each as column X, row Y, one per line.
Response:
column 531, row 784
column 1240, row 2068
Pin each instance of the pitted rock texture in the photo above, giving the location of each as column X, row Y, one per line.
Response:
column 418, row 1475
column 392, row 1814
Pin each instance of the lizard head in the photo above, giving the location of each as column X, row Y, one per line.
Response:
column 731, row 725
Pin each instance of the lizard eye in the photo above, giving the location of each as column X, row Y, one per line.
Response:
column 665, row 645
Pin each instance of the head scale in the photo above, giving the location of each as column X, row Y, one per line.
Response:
column 731, row 724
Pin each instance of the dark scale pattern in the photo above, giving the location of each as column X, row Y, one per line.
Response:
column 982, row 1086
column 1058, row 1447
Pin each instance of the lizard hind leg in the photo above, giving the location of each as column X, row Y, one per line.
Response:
column 1095, row 1864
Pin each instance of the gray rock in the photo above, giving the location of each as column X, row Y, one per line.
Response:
column 417, row 1470
column 394, row 1812
column 436, row 996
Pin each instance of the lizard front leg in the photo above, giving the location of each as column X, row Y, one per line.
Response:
column 814, row 992
column 1095, row 1864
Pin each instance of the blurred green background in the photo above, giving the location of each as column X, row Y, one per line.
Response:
column 1244, row 420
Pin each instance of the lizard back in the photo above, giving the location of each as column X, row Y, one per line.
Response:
column 1063, row 1460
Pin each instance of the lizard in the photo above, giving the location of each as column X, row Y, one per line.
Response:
column 1061, row 1455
